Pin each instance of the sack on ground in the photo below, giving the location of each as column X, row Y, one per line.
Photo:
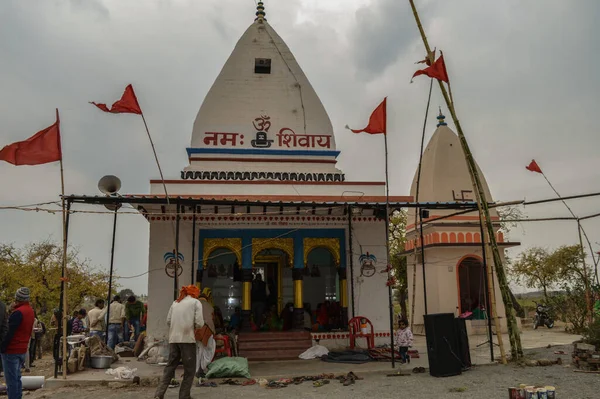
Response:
column 229, row 367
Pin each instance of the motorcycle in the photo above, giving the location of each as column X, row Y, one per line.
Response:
column 542, row 316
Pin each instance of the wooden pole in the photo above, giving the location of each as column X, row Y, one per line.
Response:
column 418, row 215
column 387, row 245
column 488, row 303
column 588, row 299
column 515, row 339
column 64, row 261
column 350, row 239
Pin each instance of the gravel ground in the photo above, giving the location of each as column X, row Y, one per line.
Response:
column 480, row 382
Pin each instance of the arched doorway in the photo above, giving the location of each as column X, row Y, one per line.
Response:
column 471, row 284
column 223, row 277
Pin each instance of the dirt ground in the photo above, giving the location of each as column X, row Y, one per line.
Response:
column 484, row 381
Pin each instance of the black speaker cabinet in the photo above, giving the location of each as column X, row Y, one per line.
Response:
column 463, row 343
column 442, row 345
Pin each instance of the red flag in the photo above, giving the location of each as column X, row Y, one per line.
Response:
column 377, row 121
column 42, row 147
column 437, row 70
column 534, row 167
column 128, row 104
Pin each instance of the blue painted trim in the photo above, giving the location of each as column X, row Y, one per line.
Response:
column 297, row 234
column 244, row 151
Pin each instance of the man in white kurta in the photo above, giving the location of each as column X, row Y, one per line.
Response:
column 185, row 316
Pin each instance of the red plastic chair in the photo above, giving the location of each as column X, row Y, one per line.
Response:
column 355, row 332
column 226, row 348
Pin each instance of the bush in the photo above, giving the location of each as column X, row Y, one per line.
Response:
column 592, row 334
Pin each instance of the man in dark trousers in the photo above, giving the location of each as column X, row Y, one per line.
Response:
column 16, row 342
column 258, row 299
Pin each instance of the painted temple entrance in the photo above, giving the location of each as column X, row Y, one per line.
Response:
column 471, row 284
column 279, row 279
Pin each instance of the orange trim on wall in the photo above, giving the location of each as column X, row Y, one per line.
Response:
column 458, row 217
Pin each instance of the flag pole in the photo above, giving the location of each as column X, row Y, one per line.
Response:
column 387, row 245
column 417, row 214
column 513, row 333
column 64, row 278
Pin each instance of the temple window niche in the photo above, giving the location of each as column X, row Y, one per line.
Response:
column 321, row 287
column 262, row 65
column 223, row 277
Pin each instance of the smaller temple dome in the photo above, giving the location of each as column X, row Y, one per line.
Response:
column 445, row 176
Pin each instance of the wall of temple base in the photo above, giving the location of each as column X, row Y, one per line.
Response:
column 442, row 282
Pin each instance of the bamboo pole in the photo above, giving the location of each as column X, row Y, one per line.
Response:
column 64, row 261
column 418, row 214
column 515, row 339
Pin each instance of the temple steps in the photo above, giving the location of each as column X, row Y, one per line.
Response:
column 268, row 346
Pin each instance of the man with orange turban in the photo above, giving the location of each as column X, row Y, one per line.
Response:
column 185, row 316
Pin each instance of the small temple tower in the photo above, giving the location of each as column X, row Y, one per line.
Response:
column 454, row 272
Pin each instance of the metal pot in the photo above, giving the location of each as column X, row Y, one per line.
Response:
column 101, row 362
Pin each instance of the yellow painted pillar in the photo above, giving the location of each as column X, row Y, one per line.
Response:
column 246, row 301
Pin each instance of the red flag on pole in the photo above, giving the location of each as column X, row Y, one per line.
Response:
column 534, row 167
column 377, row 121
column 437, row 70
column 42, row 147
column 128, row 104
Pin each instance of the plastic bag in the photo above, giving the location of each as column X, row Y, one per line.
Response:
column 122, row 373
column 229, row 367
column 314, row 352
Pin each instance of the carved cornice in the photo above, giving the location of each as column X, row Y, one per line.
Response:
column 284, row 244
column 331, row 244
column 232, row 244
column 250, row 176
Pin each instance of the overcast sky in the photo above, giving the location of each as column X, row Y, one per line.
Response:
column 524, row 74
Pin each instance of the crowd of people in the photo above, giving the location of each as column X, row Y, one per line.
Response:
column 125, row 321
column 266, row 317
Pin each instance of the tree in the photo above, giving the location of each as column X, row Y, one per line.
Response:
column 564, row 269
column 38, row 266
column 536, row 269
column 399, row 265
column 126, row 293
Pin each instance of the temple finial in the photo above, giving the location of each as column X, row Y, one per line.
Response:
column 441, row 118
column 260, row 11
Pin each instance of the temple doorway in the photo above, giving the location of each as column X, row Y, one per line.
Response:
column 471, row 284
column 223, row 277
column 271, row 265
column 322, row 290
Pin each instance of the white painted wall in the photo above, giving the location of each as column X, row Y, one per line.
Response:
column 370, row 293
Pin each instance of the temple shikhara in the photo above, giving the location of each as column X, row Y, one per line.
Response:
column 262, row 204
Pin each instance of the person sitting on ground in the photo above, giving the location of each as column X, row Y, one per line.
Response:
column 272, row 321
column 403, row 339
column 287, row 316
column 235, row 322
column 205, row 338
column 218, row 318
column 307, row 317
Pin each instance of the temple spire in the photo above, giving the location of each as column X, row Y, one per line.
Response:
column 260, row 11
column 441, row 118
